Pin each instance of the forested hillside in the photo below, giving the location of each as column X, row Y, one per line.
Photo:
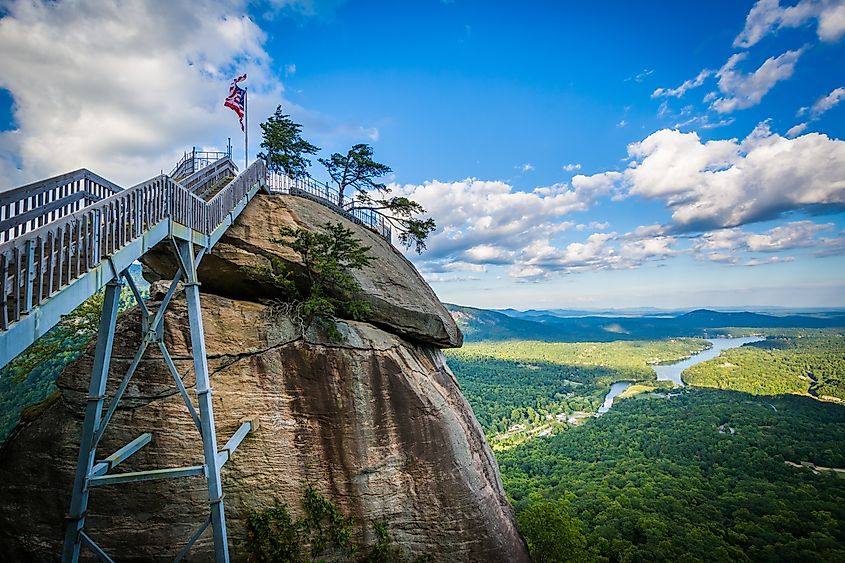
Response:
column 695, row 475
column 529, row 386
column 30, row 378
column 656, row 479
column 809, row 363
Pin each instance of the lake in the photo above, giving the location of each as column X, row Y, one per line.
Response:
column 672, row 372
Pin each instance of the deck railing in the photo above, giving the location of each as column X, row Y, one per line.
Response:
column 210, row 175
column 224, row 202
column 41, row 260
column 193, row 161
column 329, row 196
column 55, row 231
column 34, row 205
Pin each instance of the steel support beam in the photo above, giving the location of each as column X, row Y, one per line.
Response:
column 112, row 272
column 93, row 410
column 96, row 549
column 203, row 390
column 122, row 454
column 177, row 379
column 196, row 535
column 226, row 453
column 151, row 475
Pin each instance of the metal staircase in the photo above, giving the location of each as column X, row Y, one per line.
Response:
column 65, row 238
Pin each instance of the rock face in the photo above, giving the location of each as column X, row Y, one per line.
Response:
column 375, row 422
column 402, row 302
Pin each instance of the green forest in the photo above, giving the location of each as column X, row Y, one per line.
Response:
column 811, row 364
column 655, row 480
column 531, row 386
column 31, row 377
column 747, row 463
column 705, row 475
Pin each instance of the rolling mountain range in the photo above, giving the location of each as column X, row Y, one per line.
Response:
column 485, row 324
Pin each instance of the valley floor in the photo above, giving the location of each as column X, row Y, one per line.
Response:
column 742, row 465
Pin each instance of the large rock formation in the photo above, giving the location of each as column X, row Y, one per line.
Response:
column 402, row 302
column 375, row 422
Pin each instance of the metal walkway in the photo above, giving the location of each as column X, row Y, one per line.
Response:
column 65, row 238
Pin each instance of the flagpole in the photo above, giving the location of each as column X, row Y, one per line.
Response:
column 246, row 131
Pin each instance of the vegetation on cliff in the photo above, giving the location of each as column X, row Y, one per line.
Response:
column 273, row 535
column 285, row 151
column 325, row 288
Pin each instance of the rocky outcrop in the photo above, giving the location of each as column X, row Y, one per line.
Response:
column 402, row 302
column 376, row 422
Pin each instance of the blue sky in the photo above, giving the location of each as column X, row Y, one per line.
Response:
column 605, row 155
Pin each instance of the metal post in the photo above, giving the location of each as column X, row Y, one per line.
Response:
column 93, row 410
column 29, row 275
column 203, row 389
column 246, row 131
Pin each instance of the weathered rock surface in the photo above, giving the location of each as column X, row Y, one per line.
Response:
column 376, row 422
column 401, row 300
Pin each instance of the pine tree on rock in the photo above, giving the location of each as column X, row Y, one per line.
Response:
column 284, row 147
column 359, row 171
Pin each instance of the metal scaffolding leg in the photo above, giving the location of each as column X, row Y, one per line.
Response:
column 92, row 473
column 93, row 409
column 209, row 435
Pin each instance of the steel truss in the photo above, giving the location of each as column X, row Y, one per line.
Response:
column 91, row 472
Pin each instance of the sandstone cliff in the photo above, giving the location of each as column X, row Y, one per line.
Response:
column 376, row 422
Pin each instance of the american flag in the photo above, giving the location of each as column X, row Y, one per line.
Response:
column 236, row 99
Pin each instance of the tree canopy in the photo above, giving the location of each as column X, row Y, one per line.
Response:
column 358, row 170
column 284, row 147
column 286, row 151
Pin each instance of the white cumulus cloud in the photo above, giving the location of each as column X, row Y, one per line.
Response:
column 128, row 86
column 599, row 251
column 789, row 236
column 796, row 130
column 123, row 88
column 826, row 103
column 727, row 183
column 488, row 222
column 768, row 15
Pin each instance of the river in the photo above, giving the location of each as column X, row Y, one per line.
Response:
column 672, row 372
column 615, row 390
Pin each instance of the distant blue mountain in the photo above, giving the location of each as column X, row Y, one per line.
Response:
column 484, row 324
